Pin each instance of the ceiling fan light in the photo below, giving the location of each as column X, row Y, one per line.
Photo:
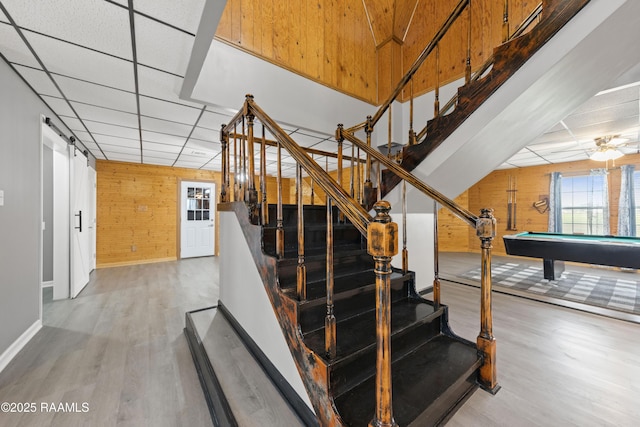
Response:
column 598, row 156
column 606, row 154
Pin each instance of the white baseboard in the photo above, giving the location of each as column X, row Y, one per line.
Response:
column 18, row 344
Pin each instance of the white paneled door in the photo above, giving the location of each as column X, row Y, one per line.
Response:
column 82, row 219
column 197, row 218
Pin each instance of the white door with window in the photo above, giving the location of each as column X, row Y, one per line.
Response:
column 197, row 215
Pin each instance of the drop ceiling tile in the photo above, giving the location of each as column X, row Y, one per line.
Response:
column 93, row 147
column 159, row 147
column 609, row 99
column 83, row 135
column 331, row 146
column 165, row 126
column 120, row 149
column 214, row 120
column 610, row 114
column 162, row 47
column 211, row 166
column 203, row 134
column 157, row 84
column 199, row 148
column 162, row 138
column 39, row 80
column 72, row 123
column 568, row 156
column 74, row 61
column 168, row 110
column 88, row 93
column 184, row 14
column 59, row 105
column 108, row 140
column 105, row 115
column 3, row 17
column 160, row 155
column 105, row 129
column 529, row 162
column 92, row 23
column 151, row 160
column 606, row 128
column 189, row 164
column 122, row 157
column 14, row 49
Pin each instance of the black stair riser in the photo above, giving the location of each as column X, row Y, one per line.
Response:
column 312, row 214
column 347, row 304
column 348, row 373
column 314, row 238
column 316, row 266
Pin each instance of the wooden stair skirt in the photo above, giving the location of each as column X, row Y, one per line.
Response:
column 434, row 371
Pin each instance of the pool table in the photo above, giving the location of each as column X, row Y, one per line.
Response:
column 554, row 248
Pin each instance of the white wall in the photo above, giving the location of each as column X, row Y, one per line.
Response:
column 20, row 216
column 243, row 294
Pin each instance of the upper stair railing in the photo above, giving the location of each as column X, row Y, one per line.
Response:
column 239, row 153
column 462, row 9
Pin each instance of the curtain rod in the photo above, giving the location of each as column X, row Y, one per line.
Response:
column 71, row 140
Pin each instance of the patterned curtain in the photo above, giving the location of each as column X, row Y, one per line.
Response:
column 627, row 203
column 606, row 228
column 555, row 205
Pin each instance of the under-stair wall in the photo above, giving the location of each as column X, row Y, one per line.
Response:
column 243, row 295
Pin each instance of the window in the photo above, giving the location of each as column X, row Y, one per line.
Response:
column 584, row 204
column 198, row 204
column 636, row 195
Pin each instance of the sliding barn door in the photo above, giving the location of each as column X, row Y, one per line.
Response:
column 81, row 222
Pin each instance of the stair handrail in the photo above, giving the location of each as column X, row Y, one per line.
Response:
column 456, row 209
column 347, row 204
column 524, row 25
column 485, row 226
column 462, row 4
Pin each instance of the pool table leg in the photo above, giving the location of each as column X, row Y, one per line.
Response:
column 551, row 267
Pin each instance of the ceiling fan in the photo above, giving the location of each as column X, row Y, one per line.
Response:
column 608, row 148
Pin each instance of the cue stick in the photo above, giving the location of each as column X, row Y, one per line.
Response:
column 514, row 203
column 509, row 204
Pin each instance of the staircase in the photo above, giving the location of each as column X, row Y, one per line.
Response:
column 422, row 341
column 331, row 285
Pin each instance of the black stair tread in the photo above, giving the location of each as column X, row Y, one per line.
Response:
column 344, row 282
column 359, row 332
column 420, row 380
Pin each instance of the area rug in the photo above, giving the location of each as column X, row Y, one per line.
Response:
column 607, row 292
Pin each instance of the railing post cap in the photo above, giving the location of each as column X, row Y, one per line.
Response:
column 382, row 208
column 249, row 96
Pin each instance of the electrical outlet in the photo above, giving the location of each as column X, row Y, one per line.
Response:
column 134, row 248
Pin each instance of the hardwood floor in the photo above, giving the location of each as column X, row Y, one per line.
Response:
column 119, row 347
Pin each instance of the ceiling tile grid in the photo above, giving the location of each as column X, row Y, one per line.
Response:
column 127, row 107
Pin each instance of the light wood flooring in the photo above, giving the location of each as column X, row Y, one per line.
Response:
column 119, row 347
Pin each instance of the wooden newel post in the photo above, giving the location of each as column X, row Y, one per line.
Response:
column 382, row 238
column 486, row 231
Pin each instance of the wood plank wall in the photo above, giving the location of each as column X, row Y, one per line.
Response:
column 137, row 206
column 486, row 33
column 362, row 48
column 325, row 40
column 532, row 184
